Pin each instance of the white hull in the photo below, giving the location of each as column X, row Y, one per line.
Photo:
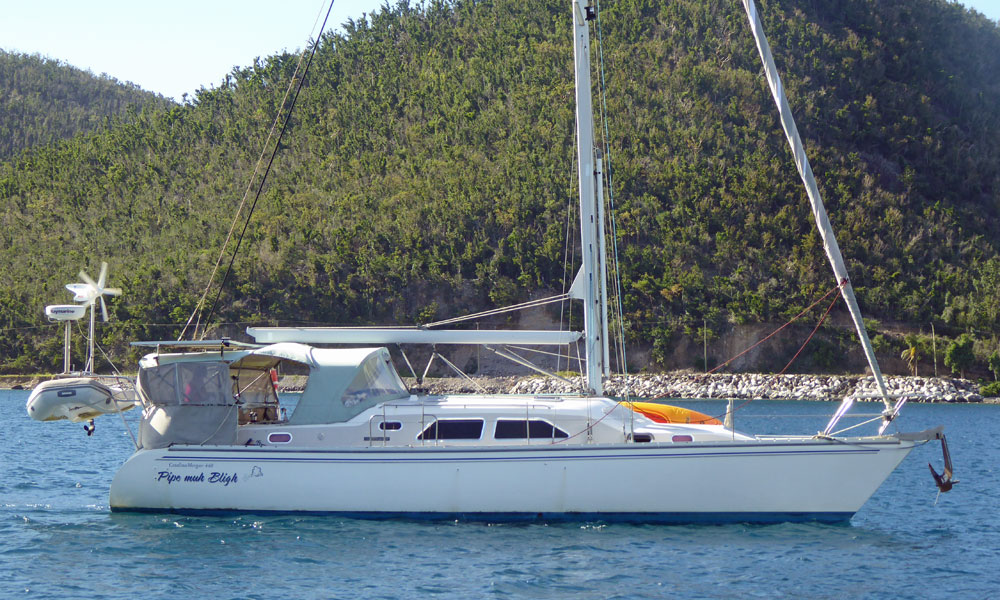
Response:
column 761, row 481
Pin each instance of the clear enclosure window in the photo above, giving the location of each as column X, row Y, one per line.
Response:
column 376, row 381
column 195, row 383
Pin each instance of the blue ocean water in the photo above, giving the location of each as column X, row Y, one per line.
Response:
column 59, row 540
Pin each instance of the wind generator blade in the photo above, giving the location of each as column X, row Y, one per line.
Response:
column 103, row 277
column 104, row 310
column 86, row 279
column 112, row 291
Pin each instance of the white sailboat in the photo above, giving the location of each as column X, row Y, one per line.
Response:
column 214, row 437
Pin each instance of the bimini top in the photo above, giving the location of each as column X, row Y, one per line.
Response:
column 342, row 381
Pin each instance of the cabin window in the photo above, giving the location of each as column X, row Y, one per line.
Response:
column 509, row 429
column 390, row 425
column 453, row 429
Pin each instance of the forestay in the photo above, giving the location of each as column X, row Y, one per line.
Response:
column 819, row 211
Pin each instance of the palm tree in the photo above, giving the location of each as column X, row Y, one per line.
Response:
column 912, row 353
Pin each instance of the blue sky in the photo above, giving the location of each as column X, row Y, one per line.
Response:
column 178, row 46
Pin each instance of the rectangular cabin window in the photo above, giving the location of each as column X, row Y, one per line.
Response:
column 509, row 429
column 453, row 429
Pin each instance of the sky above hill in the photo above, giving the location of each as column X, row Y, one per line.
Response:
column 177, row 47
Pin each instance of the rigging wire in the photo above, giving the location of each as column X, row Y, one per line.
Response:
column 537, row 351
column 86, row 335
column 815, row 329
column 501, row 310
column 769, row 336
column 619, row 310
column 119, row 379
column 459, row 371
column 566, row 268
column 569, row 260
column 776, row 331
column 297, row 82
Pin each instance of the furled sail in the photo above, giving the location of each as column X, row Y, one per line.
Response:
column 819, row 212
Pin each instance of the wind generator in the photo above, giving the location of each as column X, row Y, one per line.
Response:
column 88, row 292
column 81, row 396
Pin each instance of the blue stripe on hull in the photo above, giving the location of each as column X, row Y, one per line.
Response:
column 502, row 455
column 508, row 517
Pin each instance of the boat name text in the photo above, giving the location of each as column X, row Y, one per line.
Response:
column 214, row 477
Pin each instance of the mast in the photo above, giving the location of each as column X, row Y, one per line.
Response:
column 591, row 214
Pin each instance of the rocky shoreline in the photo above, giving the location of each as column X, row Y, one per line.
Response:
column 681, row 385
column 739, row 386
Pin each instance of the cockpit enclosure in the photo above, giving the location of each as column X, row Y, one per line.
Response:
column 254, row 388
column 186, row 403
column 201, row 397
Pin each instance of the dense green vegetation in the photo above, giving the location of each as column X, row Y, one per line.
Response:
column 43, row 101
column 427, row 172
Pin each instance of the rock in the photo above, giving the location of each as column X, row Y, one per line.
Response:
column 693, row 385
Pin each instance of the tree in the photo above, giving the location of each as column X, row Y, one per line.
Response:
column 912, row 353
column 994, row 364
column 959, row 356
column 419, row 167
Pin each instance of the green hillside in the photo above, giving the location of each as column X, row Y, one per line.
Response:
column 43, row 101
column 427, row 172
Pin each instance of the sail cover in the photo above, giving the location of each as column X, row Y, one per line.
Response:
column 819, row 211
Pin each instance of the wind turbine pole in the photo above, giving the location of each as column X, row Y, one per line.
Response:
column 90, row 345
column 66, row 364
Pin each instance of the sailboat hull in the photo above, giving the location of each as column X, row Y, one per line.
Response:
column 740, row 482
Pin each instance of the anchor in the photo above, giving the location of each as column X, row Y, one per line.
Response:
column 943, row 481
